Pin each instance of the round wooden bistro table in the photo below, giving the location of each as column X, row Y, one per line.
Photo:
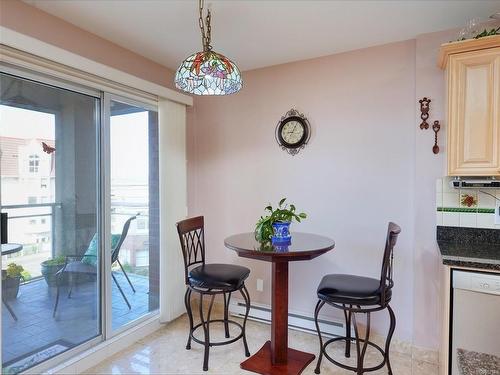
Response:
column 275, row 357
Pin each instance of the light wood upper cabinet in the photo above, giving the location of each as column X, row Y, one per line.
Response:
column 473, row 79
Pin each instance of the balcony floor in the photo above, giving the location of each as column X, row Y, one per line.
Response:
column 76, row 320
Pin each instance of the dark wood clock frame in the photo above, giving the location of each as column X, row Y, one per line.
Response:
column 293, row 115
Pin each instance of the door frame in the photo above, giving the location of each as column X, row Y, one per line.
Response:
column 106, row 220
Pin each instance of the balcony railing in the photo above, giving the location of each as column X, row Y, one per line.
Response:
column 39, row 227
column 33, row 226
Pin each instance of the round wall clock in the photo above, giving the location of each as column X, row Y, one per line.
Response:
column 293, row 132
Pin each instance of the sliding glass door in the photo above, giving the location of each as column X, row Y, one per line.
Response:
column 49, row 196
column 80, row 199
column 134, row 210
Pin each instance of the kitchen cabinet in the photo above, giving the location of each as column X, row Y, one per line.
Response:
column 473, row 106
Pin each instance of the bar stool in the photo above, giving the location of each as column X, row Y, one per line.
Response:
column 357, row 294
column 209, row 279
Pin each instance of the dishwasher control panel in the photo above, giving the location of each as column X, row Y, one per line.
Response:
column 477, row 282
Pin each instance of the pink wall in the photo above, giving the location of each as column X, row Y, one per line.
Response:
column 429, row 167
column 356, row 174
column 28, row 20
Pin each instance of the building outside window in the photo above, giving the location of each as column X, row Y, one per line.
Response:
column 34, row 163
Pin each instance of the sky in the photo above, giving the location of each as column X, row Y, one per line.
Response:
column 23, row 123
column 129, row 147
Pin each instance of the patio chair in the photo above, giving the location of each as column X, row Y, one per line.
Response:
column 86, row 264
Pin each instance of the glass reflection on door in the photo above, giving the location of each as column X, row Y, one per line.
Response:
column 50, row 279
column 134, row 212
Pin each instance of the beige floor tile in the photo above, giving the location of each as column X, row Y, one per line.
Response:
column 164, row 352
column 424, row 368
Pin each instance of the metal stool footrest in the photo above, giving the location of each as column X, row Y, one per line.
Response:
column 202, row 342
column 351, row 368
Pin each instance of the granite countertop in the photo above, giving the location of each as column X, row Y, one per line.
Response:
column 471, row 363
column 469, row 247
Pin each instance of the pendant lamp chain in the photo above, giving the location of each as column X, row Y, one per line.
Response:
column 205, row 36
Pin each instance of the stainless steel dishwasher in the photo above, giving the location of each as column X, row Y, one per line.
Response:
column 475, row 323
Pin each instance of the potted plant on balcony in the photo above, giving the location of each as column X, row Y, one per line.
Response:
column 11, row 278
column 276, row 225
column 51, row 267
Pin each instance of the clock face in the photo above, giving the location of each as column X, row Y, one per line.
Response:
column 292, row 132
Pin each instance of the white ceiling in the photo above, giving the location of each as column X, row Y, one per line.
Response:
column 261, row 33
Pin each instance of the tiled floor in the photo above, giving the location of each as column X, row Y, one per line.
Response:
column 164, row 353
column 76, row 320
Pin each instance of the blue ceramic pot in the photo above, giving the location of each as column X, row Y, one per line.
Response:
column 281, row 247
column 281, row 232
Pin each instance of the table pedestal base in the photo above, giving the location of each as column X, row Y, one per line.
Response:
column 261, row 362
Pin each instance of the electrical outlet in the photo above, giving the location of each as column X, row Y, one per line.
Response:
column 497, row 212
column 260, row 285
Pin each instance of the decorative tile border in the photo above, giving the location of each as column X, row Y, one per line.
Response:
column 467, row 210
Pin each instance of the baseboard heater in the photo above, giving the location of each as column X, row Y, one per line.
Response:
column 297, row 321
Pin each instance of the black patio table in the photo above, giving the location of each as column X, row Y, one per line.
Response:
column 11, row 248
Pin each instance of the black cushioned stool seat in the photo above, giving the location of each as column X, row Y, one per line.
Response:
column 218, row 276
column 350, row 289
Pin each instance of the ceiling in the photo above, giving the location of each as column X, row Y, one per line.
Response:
column 258, row 33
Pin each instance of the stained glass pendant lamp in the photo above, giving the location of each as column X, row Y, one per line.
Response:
column 208, row 72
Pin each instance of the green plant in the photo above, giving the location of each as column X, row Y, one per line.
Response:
column 488, row 33
column 57, row 261
column 284, row 213
column 484, row 33
column 13, row 271
column 26, row 276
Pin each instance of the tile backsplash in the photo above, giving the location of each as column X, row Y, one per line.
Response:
column 472, row 208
